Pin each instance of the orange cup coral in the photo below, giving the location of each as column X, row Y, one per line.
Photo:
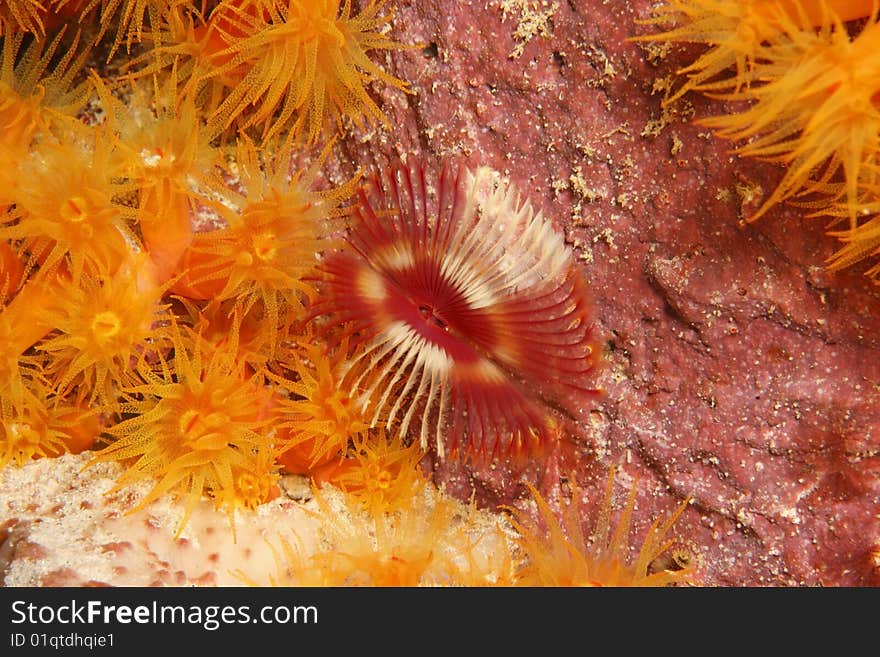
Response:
column 557, row 552
column 201, row 427
column 810, row 74
column 302, row 61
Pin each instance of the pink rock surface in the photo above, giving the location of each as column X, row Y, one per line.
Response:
column 738, row 370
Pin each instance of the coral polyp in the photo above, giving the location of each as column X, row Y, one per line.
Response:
column 26, row 432
column 42, row 425
column 380, row 472
column 104, row 327
column 40, row 90
column 66, row 208
column 304, row 62
column 431, row 540
column 318, row 417
column 467, row 309
column 557, row 551
column 264, row 252
column 814, row 111
column 735, row 33
column 806, row 79
column 199, row 428
column 164, row 153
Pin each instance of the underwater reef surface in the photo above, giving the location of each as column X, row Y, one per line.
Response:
column 738, row 369
column 63, row 527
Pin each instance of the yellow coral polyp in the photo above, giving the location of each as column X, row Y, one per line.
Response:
column 164, row 153
column 306, row 62
column 381, row 473
column 736, row 33
column 252, row 489
column 815, row 113
column 104, row 326
column 42, row 426
column 199, row 427
column 432, row 541
column 557, row 552
column 28, row 436
column 272, row 234
column 40, row 92
column 65, row 205
column 810, row 74
column 317, row 420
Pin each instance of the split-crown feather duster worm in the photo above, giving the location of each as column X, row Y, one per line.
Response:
column 468, row 310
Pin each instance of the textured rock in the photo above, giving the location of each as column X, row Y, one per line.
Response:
column 60, row 527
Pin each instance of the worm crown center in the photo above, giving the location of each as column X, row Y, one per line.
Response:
column 431, row 315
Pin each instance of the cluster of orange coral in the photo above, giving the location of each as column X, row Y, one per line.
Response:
column 810, row 73
column 155, row 257
column 158, row 271
column 439, row 542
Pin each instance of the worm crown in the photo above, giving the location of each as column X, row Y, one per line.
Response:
column 467, row 308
